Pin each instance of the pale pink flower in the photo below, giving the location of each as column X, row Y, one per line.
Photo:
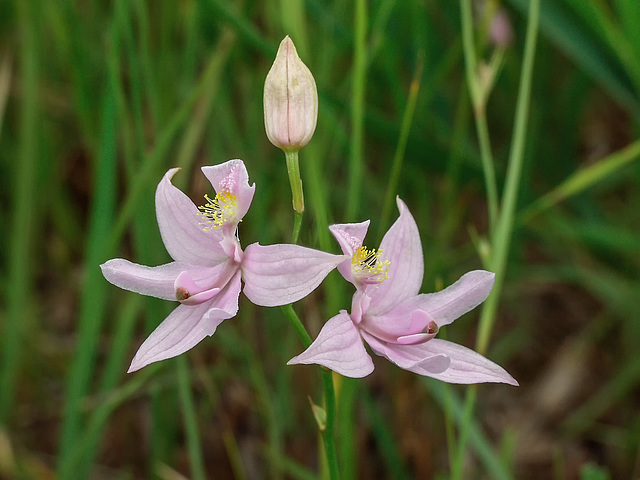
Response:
column 209, row 264
column 389, row 314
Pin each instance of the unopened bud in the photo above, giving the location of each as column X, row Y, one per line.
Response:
column 290, row 100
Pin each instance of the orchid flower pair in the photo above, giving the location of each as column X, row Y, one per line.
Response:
column 387, row 311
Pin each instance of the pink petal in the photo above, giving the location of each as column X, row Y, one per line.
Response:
column 196, row 285
column 223, row 306
column 410, row 357
column 153, row 281
column 280, row 274
column 179, row 332
column 178, row 219
column 402, row 247
column 339, row 348
column 232, row 177
column 187, row 325
column 404, row 319
column 466, row 366
column 454, row 301
column 350, row 236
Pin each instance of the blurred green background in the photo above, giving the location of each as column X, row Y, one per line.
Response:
column 99, row 99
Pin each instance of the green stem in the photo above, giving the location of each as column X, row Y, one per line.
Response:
column 501, row 237
column 396, row 168
column 293, row 169
column 293, row 318
column 190, row 418
column 328, row 435
column 357, row 109
column 19, row 286
column 297, row 222
column 504, row 229
column 478, row 99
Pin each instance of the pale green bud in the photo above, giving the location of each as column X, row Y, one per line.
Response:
column 290, row 100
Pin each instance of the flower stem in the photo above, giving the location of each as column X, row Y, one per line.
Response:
column 297, row 325
column 328, row 435
column 294, row 179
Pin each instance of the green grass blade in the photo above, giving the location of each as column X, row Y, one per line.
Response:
column 19, row 292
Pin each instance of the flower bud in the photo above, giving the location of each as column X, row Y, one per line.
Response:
column 290, row 100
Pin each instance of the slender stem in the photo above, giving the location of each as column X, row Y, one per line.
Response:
column 297, row 222
column 18, row 292
column 357, row 109
column 478, row 99
column 398, row 158
column 504, row 228
column 501, row 237
column 293, row 318
column 293, row 169
column 328, row 435
column 196, row 460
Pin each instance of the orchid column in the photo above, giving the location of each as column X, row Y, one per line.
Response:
column 290, row 115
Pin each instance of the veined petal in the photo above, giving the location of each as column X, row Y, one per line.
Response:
column 466, row 366
column 350, row 236
column 183, row 236
column 410, row 357
column 153, row 281
column 280, row 274
column 232, row 177
column 223, row 306
column 338, row 347
column 467, row 293
column 179, row 332
column 402, row 247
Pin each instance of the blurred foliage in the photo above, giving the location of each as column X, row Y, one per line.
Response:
column 103, row 97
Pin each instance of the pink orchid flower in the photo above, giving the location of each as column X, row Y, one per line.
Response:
column 209, row 264
column 389, row 314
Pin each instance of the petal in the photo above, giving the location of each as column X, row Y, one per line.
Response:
column 153, row 281
column 402, row 320
column 454, row 301
column 187, row 325
column 410, row 357
column 178, row 219
column 280, row 274
column 232, row 177
column 223, row 306
column 350, row 236
column 466, row 366
column 338, row 347
column 402, row 247
column 197, row 285
column 179, row 332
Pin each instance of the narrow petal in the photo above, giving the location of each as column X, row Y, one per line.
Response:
column 410, row 357
column 178, row 219
column 402, row 247
column 350, row 236
column 467, row 293
column 338, row 347
column 232, row 177
column 179, row 332
column 280, row 274
column 466, row 366
column 153, row 281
